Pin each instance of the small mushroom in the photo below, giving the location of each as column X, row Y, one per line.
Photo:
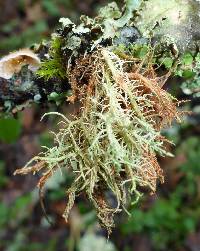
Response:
column 13, row 62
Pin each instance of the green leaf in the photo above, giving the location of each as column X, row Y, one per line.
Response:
column 51, row 7
column 139, row 51
column 188, row 73
column 187, row 59
column 168, row 62
column 189, row 224
column 10, row 130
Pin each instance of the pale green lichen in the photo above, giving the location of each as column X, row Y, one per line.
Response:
column 177, row 20
column 112, row 144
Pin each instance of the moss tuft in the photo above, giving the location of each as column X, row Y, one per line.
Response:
column 54, row 66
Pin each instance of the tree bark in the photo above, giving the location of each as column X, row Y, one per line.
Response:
column 25, row 88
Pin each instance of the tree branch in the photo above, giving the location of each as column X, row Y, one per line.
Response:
column 73, row 42
column 25, row 88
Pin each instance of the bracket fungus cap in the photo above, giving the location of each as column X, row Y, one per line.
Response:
column 13, row 62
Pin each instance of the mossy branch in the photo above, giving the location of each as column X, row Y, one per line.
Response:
column 110, row 27
column 112, row 67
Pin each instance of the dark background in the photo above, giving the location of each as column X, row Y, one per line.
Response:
column 166, row 221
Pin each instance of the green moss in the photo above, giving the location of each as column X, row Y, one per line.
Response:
column 139, row 51
column 188, row 69
column 54, row 67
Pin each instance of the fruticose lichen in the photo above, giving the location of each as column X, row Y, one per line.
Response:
column 112, row 143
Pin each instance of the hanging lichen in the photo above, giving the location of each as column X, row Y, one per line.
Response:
column 112, row 144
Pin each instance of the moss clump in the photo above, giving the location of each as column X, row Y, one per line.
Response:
column 54, row 66
column 113, row 142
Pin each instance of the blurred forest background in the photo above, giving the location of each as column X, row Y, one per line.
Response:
column 166, row 221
